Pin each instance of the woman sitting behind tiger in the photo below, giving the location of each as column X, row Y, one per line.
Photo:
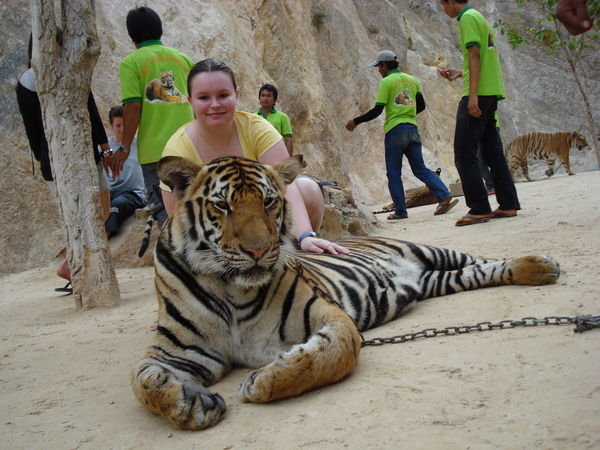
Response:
column 546, row 146
column 221, row 130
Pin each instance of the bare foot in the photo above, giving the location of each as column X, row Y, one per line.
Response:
column 63, row 271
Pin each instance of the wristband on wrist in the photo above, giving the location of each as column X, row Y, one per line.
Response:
column 305, row 235
column 123, row 149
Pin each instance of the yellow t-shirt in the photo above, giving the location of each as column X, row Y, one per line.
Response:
column 256, row 136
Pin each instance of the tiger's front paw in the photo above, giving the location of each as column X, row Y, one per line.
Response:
column 535, row 270
column 188, row 405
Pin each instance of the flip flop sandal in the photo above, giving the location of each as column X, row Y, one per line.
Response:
column 471, row 220
column 395, row 216
column 67, row 288
column 499, row 214
column 443, row 208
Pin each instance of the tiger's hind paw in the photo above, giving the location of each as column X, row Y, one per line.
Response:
column 534, row 270
column 255, row 388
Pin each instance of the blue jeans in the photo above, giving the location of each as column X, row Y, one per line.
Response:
column 402, row 140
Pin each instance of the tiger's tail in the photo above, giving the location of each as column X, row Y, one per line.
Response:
column 146, row 237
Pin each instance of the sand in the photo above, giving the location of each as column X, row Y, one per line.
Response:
column 64, row 374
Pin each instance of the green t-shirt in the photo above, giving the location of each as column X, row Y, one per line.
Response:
column 279, row 120
column 156, row 75
column 476, row 30
column 398, row 93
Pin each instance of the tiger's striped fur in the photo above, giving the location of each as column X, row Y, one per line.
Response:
column 229, row 293
column 546, row 146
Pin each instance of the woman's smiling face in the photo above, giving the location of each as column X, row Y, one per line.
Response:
column 213, row 98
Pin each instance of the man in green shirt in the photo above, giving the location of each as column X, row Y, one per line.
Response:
column 400, row 95
column 154, row 95
column 475, row 124
column 267, row 96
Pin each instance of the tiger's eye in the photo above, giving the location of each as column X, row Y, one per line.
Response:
column 269, row 201
column 222, row 205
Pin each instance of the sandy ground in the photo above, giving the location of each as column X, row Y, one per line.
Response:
column 64, row 375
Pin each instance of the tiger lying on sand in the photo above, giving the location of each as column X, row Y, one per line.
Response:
column 230, row 293
column 547, row 146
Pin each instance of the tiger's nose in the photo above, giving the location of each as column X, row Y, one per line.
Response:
column 256, row 253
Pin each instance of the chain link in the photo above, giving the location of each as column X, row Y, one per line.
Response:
column 299, row 269
column 582, row 323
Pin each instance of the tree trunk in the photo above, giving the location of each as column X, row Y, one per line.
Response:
column 64, row 76
column 573, row 59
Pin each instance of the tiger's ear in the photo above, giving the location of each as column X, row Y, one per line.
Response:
column 289, row 168
column 177, row 173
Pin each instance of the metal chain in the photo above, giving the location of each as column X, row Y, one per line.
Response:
column 382, row 211
column 582, row 323
column 299, row 269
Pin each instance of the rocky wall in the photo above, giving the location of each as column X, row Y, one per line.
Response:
column 316, row 52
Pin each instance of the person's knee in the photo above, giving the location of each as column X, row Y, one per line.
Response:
column 313, row 200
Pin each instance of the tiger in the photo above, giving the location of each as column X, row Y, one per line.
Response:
column 233, row 290
column 548, row 146
column 164, row 89
column 415, row 197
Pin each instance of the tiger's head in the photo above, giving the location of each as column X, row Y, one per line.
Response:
column 167, row 80
column 231, row 219
column 578, row 140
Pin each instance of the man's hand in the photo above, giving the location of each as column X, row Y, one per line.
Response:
column 473, row 106
column 574, row 16
column 450, row 74
column 106, row 162
column 350, row 125
column 116, row 162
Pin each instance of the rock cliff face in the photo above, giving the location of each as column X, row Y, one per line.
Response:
column 316, row 52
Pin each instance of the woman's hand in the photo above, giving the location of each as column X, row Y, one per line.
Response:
column 318, row 245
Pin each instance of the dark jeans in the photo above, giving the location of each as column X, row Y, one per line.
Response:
column 153, row 194
column 122, row 206
column 404, row 140
column 480, row 132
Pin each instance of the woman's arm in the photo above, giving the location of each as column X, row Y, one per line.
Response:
column 169, row 201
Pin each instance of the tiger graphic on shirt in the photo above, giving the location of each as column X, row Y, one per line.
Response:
column 163, row 89
column 403, row 98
